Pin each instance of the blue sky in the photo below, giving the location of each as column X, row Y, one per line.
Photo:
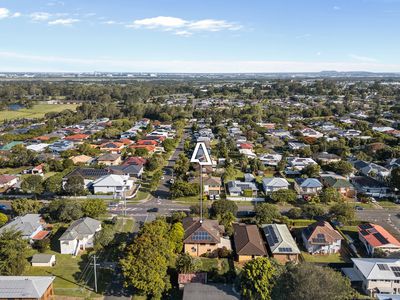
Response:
column 199, row 36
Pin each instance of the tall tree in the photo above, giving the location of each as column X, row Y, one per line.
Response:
column 257, row 279
column 94, row 208
column 25, row 206
column 307, row 281
column 33, row 184
column 266, row 213
column 75, row 185
column 13, row 252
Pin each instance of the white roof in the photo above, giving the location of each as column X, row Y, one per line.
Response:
column 24, row 286
column 111, row 180
column 275, row 181
column 37, row 147
column 279, row 239
column 378, row 268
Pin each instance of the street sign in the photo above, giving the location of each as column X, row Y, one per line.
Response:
column 201, row 155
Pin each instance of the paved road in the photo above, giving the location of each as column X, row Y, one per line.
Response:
column 388, row 218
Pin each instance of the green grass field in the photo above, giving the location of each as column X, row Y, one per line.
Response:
column 38, row 111
column 331, row 258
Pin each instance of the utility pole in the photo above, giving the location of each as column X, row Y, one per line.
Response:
column 95, row 273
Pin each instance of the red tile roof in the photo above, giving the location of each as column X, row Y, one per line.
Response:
column 41, row 235
column 376, row 235
column 135, row 160
column 246, row 146
column 76, row 137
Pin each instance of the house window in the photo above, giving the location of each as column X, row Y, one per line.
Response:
column 193, row 249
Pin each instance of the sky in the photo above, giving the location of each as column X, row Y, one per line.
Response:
column 226, row 36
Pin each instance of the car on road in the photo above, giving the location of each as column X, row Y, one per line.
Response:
column 3, row 207
column 358, row 207
column 154, row 209
column 162, row 177
column 171, row 181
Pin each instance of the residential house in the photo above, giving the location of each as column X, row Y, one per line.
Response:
column 37, row 170
column 326, row 158
column 281, row 243
column 77, row 137
column 296, row 145
column 132, row 170
column 149, row 148
column 370, row 187
column 274, row 184
column 238, row 188
column 61, row 146
column 118, row 185
column 248, row 242
column 200, row 291
column 321, row 238
column 26, row 287
column 88, row 174
column 299, row 163
column 202, row 236
column 135, row 160
column 307, row 186
column 374, row 237
column 309, row 132
column 31, row 226
column 7, row 181
column 343, row 186
column 112, row 147
column 110, row 159
column 81, row 159
column 270, row 159
column 375, row 171
column 375, row 275
column 248, row 153
column 37, row 147
column 43, row 260
column 212, row 185
column 79, row 236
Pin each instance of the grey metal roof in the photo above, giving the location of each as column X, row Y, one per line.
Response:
column 81, row 228
column 199, row 291
column 308, row 182
column 378, row 268
column 27, row 224
column 24, row 286
column 42, row 258
column 279, row 239
column 275, row 182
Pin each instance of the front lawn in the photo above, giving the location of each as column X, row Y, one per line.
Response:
column 326, row 259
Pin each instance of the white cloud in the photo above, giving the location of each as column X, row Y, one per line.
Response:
column 40, row 16
column 183, row 27
column 336, row 8
column 159, row 22
column 4, row 13
column 33, row 63
column 64, row 22
column 362, row 58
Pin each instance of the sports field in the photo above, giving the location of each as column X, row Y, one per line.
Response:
column 37, row 111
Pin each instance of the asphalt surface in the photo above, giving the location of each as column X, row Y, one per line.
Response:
column 387, row 218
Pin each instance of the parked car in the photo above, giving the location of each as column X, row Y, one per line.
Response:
column 3, row 207
column 171, row 181
column 154, row 209
column 358, row 207
column 217, row 197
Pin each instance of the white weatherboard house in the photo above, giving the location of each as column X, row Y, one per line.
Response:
column 274, row 184
column 79, row 236
column 376, row 275
column 112, row 183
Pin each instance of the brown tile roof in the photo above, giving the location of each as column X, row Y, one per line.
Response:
column 321, row 233
column 196, row 232
column 248, row 241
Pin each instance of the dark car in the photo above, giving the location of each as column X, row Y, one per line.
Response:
column 154, row 209
column 3, row 207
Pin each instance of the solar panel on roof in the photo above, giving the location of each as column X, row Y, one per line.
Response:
column 285, row 249
column 397, row 274
column 380, row 238
column 383, row 267
column 395, row 269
